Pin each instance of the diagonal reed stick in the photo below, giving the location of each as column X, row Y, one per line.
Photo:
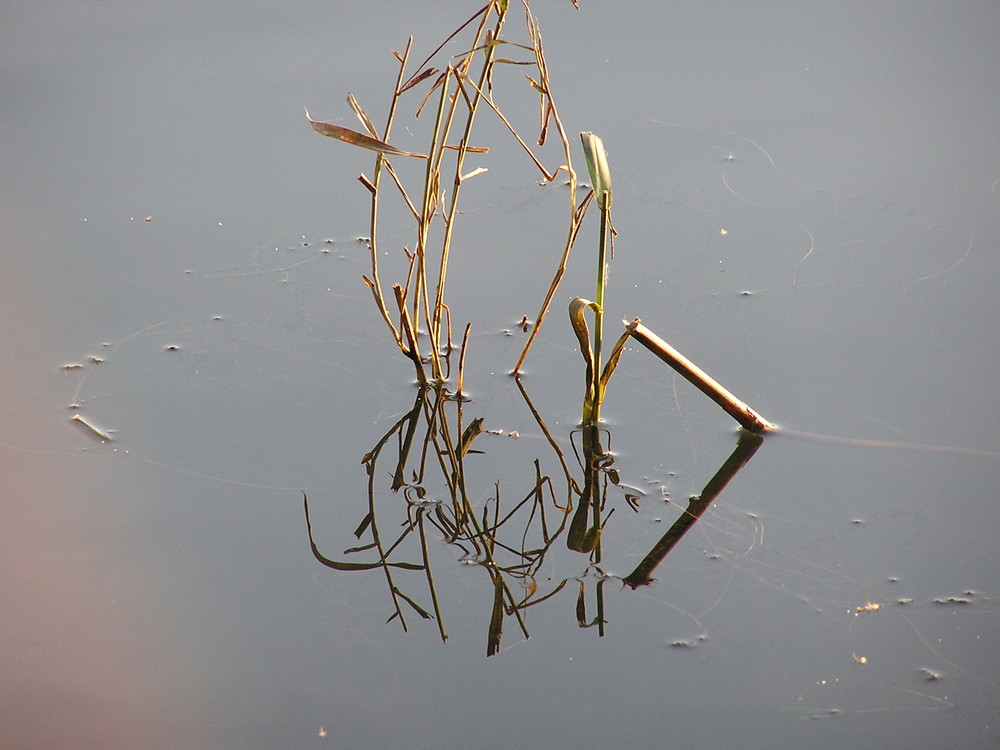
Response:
column 747, row 417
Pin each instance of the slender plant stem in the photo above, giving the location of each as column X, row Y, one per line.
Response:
column 602, row 277
column 432, row 179
column 381, row 162
column 463, row 145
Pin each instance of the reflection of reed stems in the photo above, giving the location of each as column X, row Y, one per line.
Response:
column 430, row 576
column 346, row 566
column 581, row 607
column 572, row 486
column 585, row 533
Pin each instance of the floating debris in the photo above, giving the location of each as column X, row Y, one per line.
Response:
column 692, row 643
column 952, row 600
column 93, row 428
column 867, row 607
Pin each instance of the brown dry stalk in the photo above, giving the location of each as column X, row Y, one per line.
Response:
column 747, row 417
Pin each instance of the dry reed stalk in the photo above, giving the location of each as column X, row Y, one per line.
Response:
column 747, row 417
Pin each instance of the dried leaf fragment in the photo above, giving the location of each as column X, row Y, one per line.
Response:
column 358, row 139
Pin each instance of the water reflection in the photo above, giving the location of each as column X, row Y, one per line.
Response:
column 421, row 460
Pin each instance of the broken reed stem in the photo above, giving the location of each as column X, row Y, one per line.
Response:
column 747, row 417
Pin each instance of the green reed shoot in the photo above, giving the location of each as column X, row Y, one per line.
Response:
column 600, row 178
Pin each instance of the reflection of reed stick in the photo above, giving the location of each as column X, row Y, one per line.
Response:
column 747, row 417
column 746, row 446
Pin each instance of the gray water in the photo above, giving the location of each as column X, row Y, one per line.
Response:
column 806, row 196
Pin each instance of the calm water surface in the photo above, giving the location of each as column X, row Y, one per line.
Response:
column 808, row 206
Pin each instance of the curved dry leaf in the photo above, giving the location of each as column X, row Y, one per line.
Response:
column 358, row 139
column 616, row 354
column 577, row 308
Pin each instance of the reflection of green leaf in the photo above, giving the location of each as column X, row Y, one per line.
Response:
column 416, row 607
column 591, row 538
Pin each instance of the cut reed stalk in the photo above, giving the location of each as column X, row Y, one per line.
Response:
column 747, row 417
